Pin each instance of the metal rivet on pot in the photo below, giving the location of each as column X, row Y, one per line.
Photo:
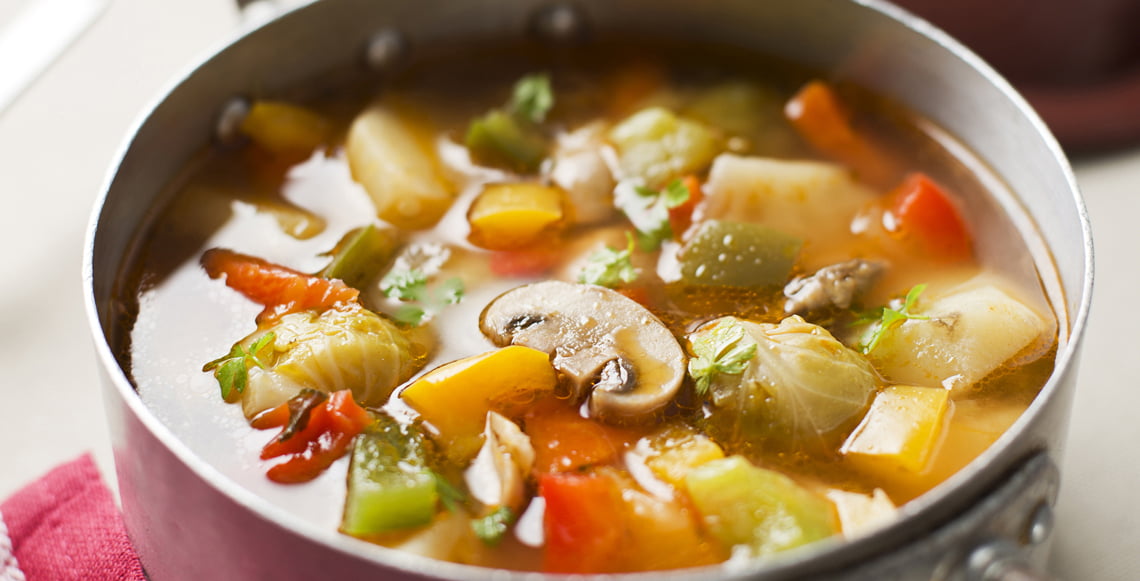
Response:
column 386, row 49
column 228, row 129
column 560, row 22
column 1040, row 524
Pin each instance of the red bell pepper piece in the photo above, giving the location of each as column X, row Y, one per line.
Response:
column 581, row 533
column 565, row 441
column 530, row 262
column 319, row 432
column 600, row 522
column 281, row 290
column 925, row 214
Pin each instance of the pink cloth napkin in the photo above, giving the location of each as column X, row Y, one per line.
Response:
column 65, row 526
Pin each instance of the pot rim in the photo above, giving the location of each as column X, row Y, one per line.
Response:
column 883, row 540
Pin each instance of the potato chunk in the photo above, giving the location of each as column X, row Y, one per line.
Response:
column 801, row 198
column 397, row 170
column 967, row 334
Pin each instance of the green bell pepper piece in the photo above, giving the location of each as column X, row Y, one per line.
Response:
column 390, row 486
column 766, row 512
column 738, row 254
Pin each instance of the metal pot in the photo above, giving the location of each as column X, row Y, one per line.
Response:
column 188, row 520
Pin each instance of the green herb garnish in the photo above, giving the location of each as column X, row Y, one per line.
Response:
column 725, row 348
column 232, row 369
column 648, row 210
column 532, row 98
column 886, row 318
column 425, row 300
column 609, row 267
column 492, row 528
column 405, row 285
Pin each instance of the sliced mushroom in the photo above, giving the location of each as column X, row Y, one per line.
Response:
column 497, row 476
column 836, row 285
column 604, row 345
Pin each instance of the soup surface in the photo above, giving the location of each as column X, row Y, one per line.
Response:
column 614, row 309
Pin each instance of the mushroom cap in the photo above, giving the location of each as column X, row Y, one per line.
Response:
column 591, row 332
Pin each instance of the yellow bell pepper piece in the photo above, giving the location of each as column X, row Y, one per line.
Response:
column 283, row 128
column 900, row 432
column 676, row 451
column 454, row 399
column 512, row 216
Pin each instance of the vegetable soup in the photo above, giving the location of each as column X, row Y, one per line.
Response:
column 628, row 307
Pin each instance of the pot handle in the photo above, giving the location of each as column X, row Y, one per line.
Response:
column 1001, row 561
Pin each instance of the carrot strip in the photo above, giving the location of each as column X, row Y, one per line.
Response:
column 819, row 116
column 279, row 289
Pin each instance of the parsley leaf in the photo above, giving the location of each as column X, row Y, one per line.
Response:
column 725, row 348
column 532, row 98
column 648, row 209
column 425, row 300
column 675, row 194
column 609, row 267
column 492, row 528
column 232, row 369
column 405, row 285
column 886, row 318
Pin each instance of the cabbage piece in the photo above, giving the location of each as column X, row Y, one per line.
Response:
column 343, row 348
column 800, row 382
column 657, row 146
column 966, row 334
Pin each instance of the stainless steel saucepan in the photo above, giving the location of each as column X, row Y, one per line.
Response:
column 190, row 520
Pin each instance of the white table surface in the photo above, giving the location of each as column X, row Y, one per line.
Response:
column 59, row 137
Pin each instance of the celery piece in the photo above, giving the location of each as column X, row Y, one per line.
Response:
column 390, row 486
column 738, row 254
column 360, row 255
column 501, row 139
column 758, row 509
column 658, row 146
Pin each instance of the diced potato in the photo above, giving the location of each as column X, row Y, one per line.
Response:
column 676, row 451
column 283, row 128
column 859, row 513
column 454, row 399
column 801, row 198
column 397, row 170
column 756, row 509
column 967, row 334
column 658, row 146
column 512, row 216
column 900, row 432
